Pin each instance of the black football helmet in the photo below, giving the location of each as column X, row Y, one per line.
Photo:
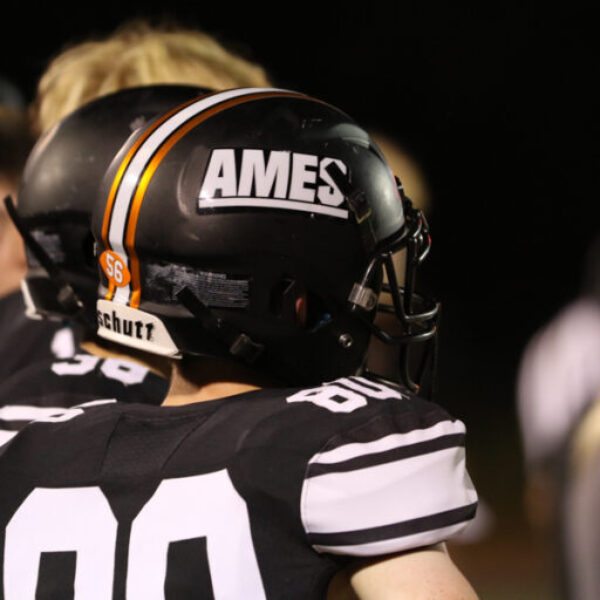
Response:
column 255, row 224
column 59, row 187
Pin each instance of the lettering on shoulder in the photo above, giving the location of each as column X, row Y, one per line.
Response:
column 346, row 394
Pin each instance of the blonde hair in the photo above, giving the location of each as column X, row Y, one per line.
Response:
column 137, row 54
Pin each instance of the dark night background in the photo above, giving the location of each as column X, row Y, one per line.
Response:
column 495, row 106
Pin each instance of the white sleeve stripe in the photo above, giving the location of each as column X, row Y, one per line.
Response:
column 388, row 546
column 379, row 495
column 6, row 436
column 28, row 413
column 96, row 403
column 352, row 450
column 395, row 530
column 395, row 454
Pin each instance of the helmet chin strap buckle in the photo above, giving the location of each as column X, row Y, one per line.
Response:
column 243, row 347
column 69, row 300
column 363, row 296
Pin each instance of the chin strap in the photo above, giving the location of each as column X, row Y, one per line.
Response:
column 240, row 345
column 66, row 295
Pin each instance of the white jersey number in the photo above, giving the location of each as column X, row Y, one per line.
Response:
column 81, row 520
column 125, row 371
column 346, row 394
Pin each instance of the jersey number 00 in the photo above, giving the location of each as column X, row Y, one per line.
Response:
column 81, row 520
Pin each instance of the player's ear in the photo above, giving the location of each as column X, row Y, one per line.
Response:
column 301, row 309
column 289, row 301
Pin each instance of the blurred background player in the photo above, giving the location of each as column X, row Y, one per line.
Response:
column 558, row 392
column 277, row 291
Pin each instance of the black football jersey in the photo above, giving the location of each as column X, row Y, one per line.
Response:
column 261, row 495
column 41, row 365
column 81, row 378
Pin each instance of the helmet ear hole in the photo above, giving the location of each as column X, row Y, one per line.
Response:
column 301, row 310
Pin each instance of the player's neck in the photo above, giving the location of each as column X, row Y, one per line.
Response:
column 202, row 379
column 210, row 391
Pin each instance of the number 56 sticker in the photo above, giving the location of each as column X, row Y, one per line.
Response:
column 114, row 267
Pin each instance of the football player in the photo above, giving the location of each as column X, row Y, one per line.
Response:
column 243, row 236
